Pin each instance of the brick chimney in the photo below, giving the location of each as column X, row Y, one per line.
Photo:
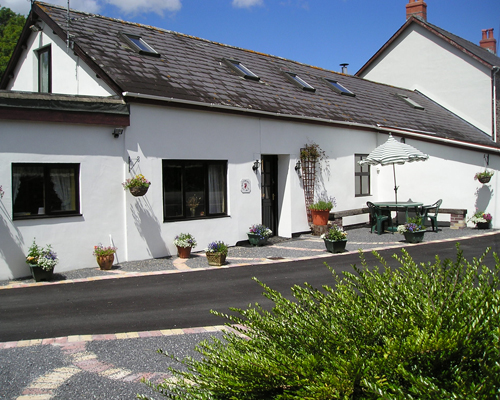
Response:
column 418, row 8
column 488, row 41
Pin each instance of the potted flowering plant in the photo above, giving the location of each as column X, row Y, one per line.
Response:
column 216, row 253
column 105, row 256
column 138, row 185
column 412, row 230
column 320, row 210
column 484, row 176
column 481, row 219
column 42, row 261
column 258, row 234
column 335, row 239
column 184, row 242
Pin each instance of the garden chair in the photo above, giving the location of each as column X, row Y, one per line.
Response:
column 377, row 217
column 424, row 212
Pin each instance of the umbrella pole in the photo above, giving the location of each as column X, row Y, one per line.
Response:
column 395, row 191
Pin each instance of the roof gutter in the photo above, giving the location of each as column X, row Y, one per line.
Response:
column 428, row 136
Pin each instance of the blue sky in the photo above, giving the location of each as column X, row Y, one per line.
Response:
column 323, row 33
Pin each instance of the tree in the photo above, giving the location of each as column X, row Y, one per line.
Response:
column 11, row 25
column 419, row 331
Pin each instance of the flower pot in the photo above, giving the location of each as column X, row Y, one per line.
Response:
column 105, row 262
column 184, row 252
column 484, row 179
column 216, row 259
column 256, row 240
column 39, row 274
column 483, row 225
column 414, row 237
column 138, row 191
column 320, row 217
column 335, row 246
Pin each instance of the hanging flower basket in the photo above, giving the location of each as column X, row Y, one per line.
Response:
column 138, row 185
column 139, row 191
column 484, row 179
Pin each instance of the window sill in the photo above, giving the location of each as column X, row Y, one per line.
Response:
column 178, row 219
column 43, row 216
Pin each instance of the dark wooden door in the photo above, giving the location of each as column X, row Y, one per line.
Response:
column 269, row 185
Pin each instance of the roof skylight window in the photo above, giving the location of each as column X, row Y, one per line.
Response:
column 242, row 70
column 339, row 88
column 299, row 81
column 138, row 44
column 411, row 102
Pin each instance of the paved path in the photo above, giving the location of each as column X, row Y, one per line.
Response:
column 110, row 365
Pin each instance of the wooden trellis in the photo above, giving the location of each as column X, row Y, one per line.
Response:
column 308, row 181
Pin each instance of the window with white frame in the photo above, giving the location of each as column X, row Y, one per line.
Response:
column 45, row 190
column 194, row 189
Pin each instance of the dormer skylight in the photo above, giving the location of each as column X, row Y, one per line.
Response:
column 241, row 70
column 299, row 81
column 411, row 102
column 138, row 44
column 339, row 88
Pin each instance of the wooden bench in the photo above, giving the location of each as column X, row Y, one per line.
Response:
column 457, row 215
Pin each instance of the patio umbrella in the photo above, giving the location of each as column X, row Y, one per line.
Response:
column 393, row 152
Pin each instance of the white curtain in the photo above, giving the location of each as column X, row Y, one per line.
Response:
column 216, row 189
column 62, row 180
column 19, row 172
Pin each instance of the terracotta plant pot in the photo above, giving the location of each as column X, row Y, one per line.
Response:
column 414, row 237
column 39, row 274
column 138, row 191
column 105, row 262
column 256, row 240
column 184, row 252
column 320, row 217
column 335, row 246
column 216, row 259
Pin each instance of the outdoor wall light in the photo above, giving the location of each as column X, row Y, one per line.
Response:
column 297, row 166
column 117, row 132
column 255, row 165
column 35, row 28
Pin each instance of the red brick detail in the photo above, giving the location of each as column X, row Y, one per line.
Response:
column 417, row 8
column 457, row 221
column 488, row 41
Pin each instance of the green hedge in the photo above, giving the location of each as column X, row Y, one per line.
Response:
column 428, row 331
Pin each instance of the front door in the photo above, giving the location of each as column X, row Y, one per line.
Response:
column 269, row 185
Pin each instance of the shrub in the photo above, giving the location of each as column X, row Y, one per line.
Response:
column 420, row 331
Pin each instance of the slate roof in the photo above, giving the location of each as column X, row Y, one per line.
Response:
column 192, row 69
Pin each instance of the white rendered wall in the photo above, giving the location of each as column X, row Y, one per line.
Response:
column 136, row 226
column 101, row 195
column 420, row 60
column 69, row 74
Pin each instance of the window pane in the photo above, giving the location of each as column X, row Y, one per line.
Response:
column 195, row 190
column 216, row 187
column 28, row 190
column 365, row 185
column 44, row 71
column 64, row 189
column 172, row 191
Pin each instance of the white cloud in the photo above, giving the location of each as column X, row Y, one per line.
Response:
column 146, row 6
column 247, row 3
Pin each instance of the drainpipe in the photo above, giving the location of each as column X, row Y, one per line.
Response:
column 494, row 102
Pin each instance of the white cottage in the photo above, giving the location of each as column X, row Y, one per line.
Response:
column 89, row 101
column 461, row 76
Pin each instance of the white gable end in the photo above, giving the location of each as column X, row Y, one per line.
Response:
column 420, row 60
column 69, row 74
